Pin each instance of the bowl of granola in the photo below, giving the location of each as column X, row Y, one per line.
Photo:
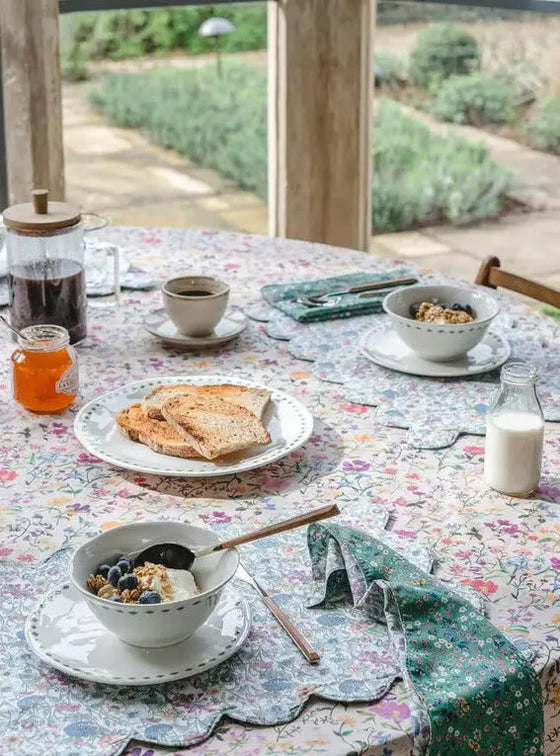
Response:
column 441, row 323
column 149, row 604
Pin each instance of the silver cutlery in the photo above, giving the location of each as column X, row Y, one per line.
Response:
column 322, row 300
column 298, row 639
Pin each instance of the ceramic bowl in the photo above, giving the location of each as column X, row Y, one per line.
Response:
column 154, row 625
column 434, row 341
column 195, row 315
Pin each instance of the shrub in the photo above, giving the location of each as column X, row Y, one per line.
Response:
column 442, row 51
column 544, row 126
column 477, row 98
column 125, row 34
column 388, row 68
column 218, row 122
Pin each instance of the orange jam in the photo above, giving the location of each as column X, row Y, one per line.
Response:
column 45, row 369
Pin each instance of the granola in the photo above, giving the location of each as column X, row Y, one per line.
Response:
column 431, row 312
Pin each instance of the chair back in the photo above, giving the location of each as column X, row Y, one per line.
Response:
column 491, row 274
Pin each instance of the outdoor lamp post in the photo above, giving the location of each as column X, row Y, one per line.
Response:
column 216, row 28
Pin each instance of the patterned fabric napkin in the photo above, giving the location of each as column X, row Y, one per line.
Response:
column 284, row 296
column 475, row 692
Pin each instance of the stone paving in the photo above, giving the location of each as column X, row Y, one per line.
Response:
column 121, row 174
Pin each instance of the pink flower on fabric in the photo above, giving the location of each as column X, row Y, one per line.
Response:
column 216, row 517
column 5, row 552
column 356, row 409
column 7, row 475
column 88, row 459
column 406, row 533
column 487, row 587
column 356, row 465
column 391, row 709
column 555, row 563
column 474, row 450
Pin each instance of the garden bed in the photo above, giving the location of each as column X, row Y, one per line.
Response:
column 420, row 178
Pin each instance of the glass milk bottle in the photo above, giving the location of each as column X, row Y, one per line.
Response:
column 515, row 433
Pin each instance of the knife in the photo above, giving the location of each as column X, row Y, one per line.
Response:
column 310, row 654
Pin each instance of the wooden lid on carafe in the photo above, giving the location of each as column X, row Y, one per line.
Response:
column 41, row 216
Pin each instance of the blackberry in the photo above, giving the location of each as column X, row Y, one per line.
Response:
column 114, row 575
column 129, row 582
column 103, row 570
column 149, row 597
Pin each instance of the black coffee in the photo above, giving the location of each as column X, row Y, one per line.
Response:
column 195, row 293
column 49, row 292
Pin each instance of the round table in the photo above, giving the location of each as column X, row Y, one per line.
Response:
column 56, row 494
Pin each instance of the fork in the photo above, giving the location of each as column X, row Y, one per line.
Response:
column 310, row 654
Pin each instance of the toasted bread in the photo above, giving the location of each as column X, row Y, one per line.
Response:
column 253, row 399
column 213, row 426
column 157, row 434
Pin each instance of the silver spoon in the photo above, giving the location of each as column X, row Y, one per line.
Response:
column 13, row 330
column 175, row 556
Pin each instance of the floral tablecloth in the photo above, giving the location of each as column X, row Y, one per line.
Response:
column 55, row 494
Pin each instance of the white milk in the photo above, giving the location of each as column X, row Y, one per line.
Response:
column 514, row 444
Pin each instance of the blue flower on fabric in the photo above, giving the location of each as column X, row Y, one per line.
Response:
column 29, row 702
column 158, row 732
column 276, row 684
column 80, row 729
column 331, row 620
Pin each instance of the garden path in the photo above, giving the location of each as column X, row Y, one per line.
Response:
column 119, row 173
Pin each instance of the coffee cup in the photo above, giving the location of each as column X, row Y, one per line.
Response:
column 195, row 304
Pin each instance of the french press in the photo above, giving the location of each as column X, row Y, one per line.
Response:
column 46, row 278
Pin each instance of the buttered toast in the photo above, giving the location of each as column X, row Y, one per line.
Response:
column 157, row 434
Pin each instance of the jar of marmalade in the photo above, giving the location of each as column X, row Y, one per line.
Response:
column 45, row 369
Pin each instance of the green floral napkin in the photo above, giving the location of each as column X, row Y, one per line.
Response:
column 473, row 690
column 284, row 296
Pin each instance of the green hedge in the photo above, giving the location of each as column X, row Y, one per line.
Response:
column 128, row 34
column 544, row 124
column 221, row 123
column 441, row 51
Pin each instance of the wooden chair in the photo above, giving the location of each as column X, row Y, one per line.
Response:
column 491, row 274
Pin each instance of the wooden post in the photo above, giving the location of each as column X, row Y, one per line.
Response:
column 32, row 97
column 320, row 112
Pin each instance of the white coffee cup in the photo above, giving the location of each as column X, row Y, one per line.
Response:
column 195, row 304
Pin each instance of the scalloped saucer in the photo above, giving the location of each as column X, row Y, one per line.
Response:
column 64, row 634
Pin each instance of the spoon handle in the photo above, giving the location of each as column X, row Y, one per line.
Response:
column 280, row 527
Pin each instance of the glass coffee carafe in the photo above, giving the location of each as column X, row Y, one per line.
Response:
column 46, row 278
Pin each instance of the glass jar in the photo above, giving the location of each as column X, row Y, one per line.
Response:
column 45, row 255
column 45, row 369
column 515, row 433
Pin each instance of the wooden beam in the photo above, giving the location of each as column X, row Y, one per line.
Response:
column 32, row 97
column 320, row 112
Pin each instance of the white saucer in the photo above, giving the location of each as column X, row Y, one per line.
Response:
column 230, row 326
column 387, row 349
column 64, row 634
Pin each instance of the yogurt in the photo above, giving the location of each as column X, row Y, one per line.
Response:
column 174, row 585
column 514, row 446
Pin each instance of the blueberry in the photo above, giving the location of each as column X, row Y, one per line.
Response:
column 114, row 575
column 124, row 565
column 149, row 597
column 116, row 599
column 414, row 308
column 469, row 310
column 129, row 582
column 103, row 570
column 457, row 307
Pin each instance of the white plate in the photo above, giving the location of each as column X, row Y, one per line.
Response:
column 387, row 349
column 230, row 326
column 64, row 634
column 289, row 423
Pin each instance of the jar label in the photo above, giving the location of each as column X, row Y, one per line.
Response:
column 69, row 381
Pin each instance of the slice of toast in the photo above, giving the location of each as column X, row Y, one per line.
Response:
column 213, row 426
column 253, row 399
column 157, row 434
